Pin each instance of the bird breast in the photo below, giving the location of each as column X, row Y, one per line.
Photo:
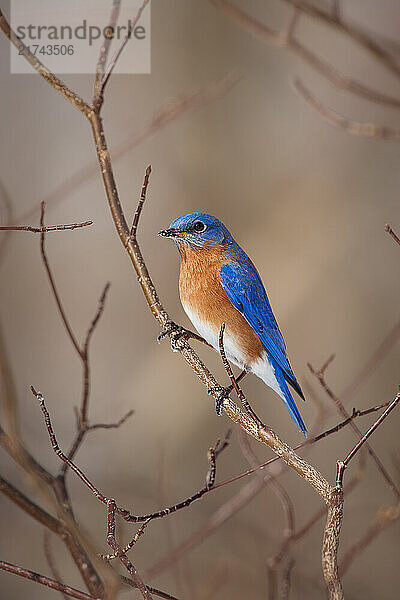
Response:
column 207, row 305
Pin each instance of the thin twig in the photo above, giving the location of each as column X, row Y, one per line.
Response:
column 393, row 234
column 45, row 229
column 99, row 96
column 290, row 43
column 57, row 298
column 369, row 130
column 141, row 202
column 213, row 453
column 105, row 47
column 384, row 517
column 365, row 437
column 51, row 583
column 166, row 114
column 352, row 31
column 129, row 546
column 112, row 542
column 372, row 363
column 343, row 412
column 50, row 77
column 51, row 562
column 234, row 382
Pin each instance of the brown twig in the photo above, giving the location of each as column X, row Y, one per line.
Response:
column 101, row 85
column 287, row 40
column 369, row 130
column 151, row 589
column 81, row 349
column 384, row 517
column 286, row 580
column 124, row 513
column 141, row 202
column 359, row 36
column 45, row 229
column 129, row 546
column 38, row 66
column 342, row 465
column 51, row 562
column 392, row 233
column 105, row 47
column 51, row 583
column 234, row 382
column 167, row 113
column 112, row 542
column 320, row 375
column 372, row 363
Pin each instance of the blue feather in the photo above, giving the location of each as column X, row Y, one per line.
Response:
column 244, row 288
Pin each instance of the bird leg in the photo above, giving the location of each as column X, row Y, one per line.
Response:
column 223, row 392
column 179, row 332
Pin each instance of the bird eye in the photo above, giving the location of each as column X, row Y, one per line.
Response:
column 199, row 226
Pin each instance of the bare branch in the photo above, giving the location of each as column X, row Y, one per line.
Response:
column 393, row 234
column 51, row 562
column 57, row 298
column 384, row 518
column 99, row 96
column 343, row 412
column 105, row 47
column 288, row 41
column 52, row 79
column 141, row 202
column 168, row 113
column 51, row 583
column 372, row 363
column 369, row 130
column 343, row 464
column 111, row 511
column 111, row 425
column 45, row 229
column 355, row 33
column 31, row 508
column 125, row 514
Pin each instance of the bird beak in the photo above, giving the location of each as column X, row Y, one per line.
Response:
column 170, row 233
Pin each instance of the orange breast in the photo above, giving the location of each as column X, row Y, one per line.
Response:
column 201, row 289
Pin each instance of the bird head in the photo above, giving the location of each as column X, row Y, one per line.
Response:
column 197, row 229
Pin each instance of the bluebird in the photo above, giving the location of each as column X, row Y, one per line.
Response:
column 218, row 283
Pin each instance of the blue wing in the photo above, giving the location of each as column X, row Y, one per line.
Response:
column 244, row 288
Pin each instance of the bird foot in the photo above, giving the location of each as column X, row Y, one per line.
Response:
column 223, row 393
column 177, row 332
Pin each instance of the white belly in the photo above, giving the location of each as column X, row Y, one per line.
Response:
column 260, row 367
column 211, row 335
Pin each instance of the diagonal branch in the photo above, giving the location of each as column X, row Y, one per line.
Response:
column 287, row 40
column 392, row 233
column 47, row 581
column 50, row 77
column 369, row 130
column 320, row 375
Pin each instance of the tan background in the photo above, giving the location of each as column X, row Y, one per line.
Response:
column 307, row 202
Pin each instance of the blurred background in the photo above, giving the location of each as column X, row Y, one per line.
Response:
column 308, row 203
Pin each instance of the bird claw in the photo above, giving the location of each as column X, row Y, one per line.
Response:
column 178, row 332
column 223, row 393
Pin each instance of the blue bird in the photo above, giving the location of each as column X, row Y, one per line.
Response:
column 218, row 284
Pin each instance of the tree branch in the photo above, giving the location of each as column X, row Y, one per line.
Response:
column 51, row 583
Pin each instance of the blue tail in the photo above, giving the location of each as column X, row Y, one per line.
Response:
column 288, row 400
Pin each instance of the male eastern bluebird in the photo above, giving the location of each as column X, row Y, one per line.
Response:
column 218, row 284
